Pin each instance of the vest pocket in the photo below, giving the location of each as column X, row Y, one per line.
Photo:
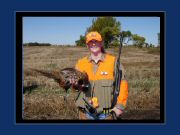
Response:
column 103, row 91
column 107, row 93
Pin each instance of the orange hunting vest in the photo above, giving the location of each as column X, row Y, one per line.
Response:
column 105, row 69
column 104, row 76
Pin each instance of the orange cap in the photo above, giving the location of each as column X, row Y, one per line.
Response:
column 93, row 36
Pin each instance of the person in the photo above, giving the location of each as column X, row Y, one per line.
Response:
column 100, row 67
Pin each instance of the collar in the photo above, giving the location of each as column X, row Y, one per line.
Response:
column 101, row 59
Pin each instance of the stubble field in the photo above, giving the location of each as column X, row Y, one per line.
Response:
column 43, row 98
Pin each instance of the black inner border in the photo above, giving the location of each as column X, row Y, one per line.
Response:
column 19, row 32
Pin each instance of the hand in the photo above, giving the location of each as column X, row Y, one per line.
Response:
column 72, row 81
column 90, row 102
column 94, row 102
column 117, row 111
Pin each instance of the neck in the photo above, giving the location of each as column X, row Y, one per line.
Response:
column 96, row 57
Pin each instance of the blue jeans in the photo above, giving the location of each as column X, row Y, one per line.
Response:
column 101, row 116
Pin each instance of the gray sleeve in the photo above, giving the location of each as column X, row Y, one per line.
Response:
column 123, row 71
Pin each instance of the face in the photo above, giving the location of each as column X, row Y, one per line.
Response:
column 94, row 46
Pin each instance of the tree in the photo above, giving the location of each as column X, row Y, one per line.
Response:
column 151, row 45
column 158, row 34
column 81, row 41
column 108, row 27
column 138, row 40
column 146, row 45
column 126, row 36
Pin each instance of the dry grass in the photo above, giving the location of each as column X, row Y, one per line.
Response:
column 43, row 99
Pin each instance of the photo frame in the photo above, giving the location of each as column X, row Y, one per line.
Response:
column 19, row 63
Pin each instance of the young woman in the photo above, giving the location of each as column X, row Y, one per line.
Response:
column 100, row 67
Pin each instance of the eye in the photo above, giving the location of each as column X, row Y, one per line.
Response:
column 80, row 82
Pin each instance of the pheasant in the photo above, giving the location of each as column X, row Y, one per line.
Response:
column 65, row 76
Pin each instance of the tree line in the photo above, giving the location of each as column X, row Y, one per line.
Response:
column 36, row 44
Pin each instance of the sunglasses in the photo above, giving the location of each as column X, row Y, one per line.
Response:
column 92, row 44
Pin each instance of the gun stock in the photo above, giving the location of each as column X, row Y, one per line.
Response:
column 91, row 109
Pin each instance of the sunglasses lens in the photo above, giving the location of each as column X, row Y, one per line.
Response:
column 93, row 44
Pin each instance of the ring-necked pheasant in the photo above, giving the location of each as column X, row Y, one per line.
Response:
column 65, row 76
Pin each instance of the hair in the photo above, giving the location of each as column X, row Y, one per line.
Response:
column 102, row 48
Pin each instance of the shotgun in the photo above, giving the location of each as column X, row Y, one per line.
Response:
column 91, row 109
column 118, row 75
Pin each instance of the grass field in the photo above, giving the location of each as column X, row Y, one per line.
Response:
column 43, row 99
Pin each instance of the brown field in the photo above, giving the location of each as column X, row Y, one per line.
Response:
column 43, row 99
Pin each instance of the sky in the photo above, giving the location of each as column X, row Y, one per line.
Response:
column 66, row 30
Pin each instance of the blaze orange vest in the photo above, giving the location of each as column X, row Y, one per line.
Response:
column 105, row 72
column 105, row 69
